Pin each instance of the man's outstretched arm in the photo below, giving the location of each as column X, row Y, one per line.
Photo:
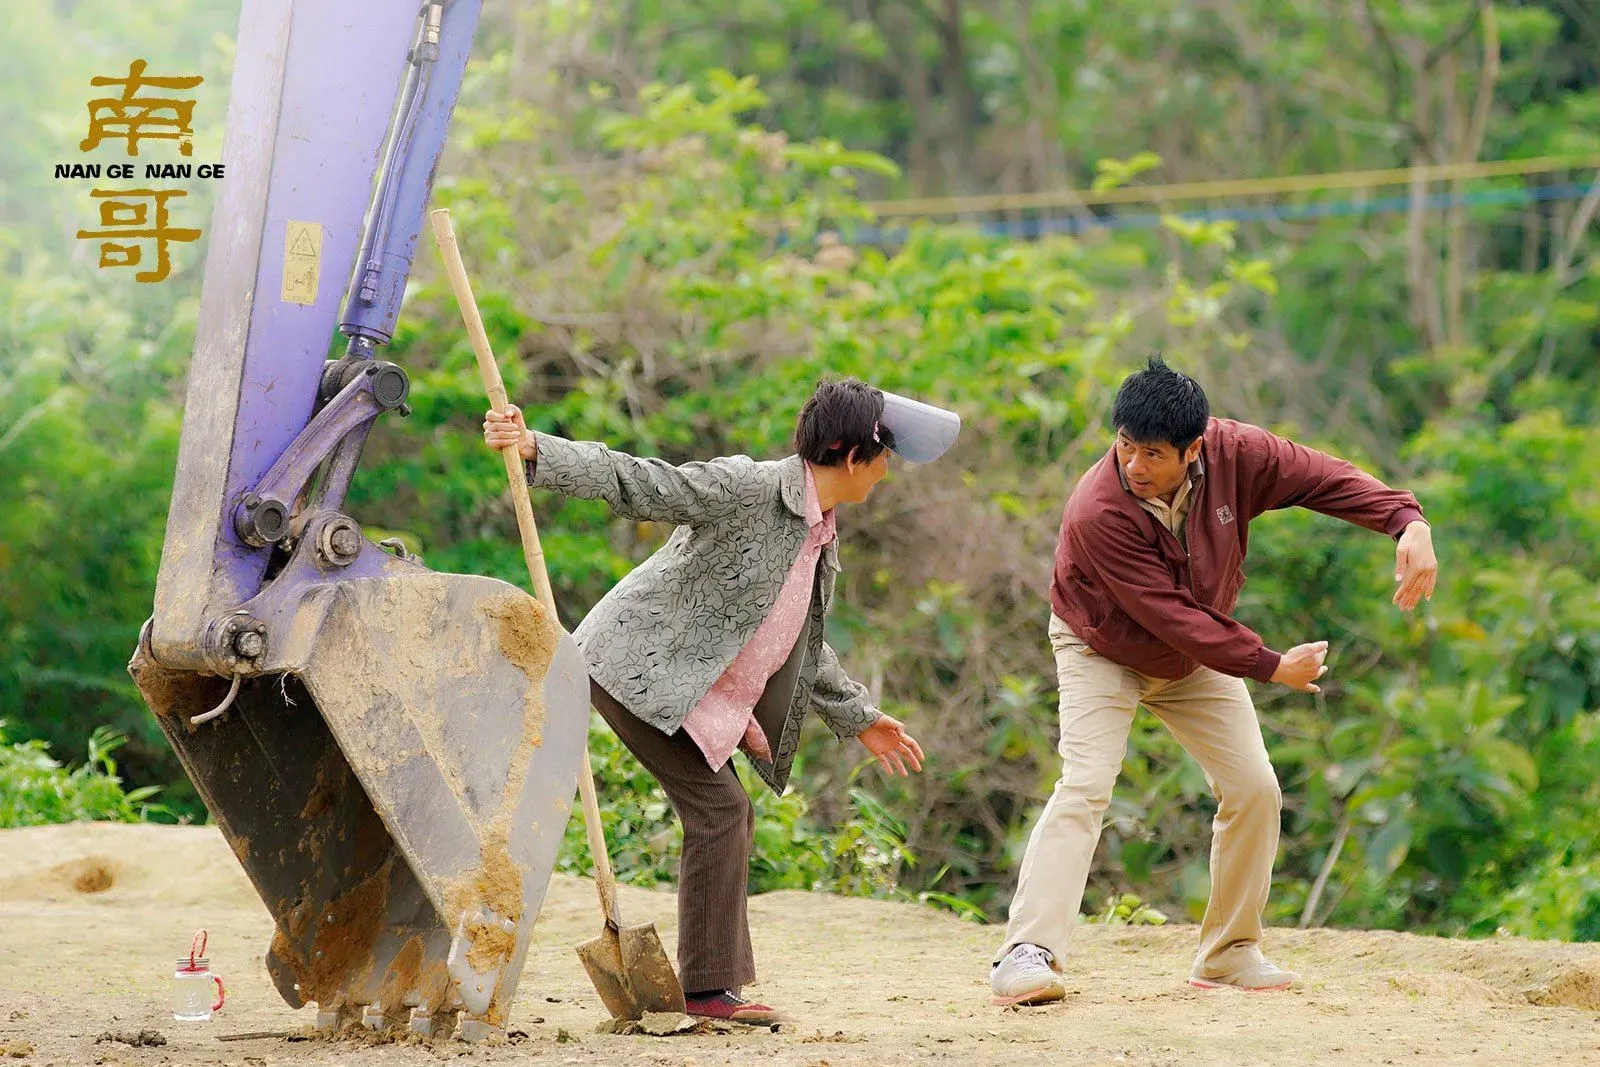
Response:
column 1285, row 474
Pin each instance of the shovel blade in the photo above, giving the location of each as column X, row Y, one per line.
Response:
column 631, row 972
column 655, row 982
column 602, row 959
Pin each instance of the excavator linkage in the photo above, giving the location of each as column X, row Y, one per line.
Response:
column 390, row 752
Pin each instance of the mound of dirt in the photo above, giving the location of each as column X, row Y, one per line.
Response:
column 138, row 1039
column 1572, row 987
column 91, row 874
column 892, row 983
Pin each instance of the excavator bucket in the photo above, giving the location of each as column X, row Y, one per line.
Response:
column 400, row 795
column 390, row 752
column 399, row 798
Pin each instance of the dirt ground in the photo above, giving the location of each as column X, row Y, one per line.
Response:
column 92, row 916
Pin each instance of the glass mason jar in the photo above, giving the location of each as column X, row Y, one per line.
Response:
column 191, row 990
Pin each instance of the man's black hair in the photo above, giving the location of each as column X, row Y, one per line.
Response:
column 841, row 415
column 1160, row 404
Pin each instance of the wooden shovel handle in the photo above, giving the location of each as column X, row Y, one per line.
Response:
column 445, row 235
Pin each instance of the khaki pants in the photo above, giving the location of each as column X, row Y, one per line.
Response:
column 1212, row 717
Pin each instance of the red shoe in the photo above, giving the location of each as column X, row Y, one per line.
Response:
column 725, row 1007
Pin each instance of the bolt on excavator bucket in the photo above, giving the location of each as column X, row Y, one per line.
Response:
column 399, row 797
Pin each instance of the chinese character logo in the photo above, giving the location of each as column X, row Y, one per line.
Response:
column 133, row 118
column 138, row 215
column 1224, row 514
column 136, row 222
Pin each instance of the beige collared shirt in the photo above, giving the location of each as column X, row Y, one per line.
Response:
column 1171, row 515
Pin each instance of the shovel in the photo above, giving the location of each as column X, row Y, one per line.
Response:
column 627, row 964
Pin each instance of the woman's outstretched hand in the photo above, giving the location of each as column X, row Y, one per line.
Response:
column 887, row 740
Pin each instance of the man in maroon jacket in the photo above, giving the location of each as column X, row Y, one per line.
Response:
column 1147, row 573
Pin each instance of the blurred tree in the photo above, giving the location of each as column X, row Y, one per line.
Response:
column 669, row 255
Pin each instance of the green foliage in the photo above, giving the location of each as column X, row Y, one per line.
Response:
column 1111, row 173
column 669, row 252
column 35, row 789
column 1127, row 909
column 91, row 379
column 1411, row 775
column 861, row 855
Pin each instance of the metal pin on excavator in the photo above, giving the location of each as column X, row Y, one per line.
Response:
column 390, row 752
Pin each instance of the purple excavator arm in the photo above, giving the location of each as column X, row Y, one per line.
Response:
column 390, row 752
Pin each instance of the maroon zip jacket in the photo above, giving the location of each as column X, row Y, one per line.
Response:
column 1129, row 589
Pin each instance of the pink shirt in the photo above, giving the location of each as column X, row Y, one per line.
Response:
column 726, row 715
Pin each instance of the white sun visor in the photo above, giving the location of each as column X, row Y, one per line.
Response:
column 921, row 431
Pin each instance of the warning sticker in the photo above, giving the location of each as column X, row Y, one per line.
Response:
column 302, row 262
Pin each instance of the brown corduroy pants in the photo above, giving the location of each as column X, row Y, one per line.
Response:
column 718, row 830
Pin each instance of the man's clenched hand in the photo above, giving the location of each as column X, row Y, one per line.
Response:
column 1301, row 666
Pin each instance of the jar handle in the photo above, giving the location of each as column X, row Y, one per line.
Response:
column 197, row 947
column 222, row 994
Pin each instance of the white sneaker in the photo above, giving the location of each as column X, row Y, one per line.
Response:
column 1024, row 976
column 1259, row 977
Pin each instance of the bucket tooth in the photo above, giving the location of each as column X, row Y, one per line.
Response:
column 475, row 1030
column 482, row 946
